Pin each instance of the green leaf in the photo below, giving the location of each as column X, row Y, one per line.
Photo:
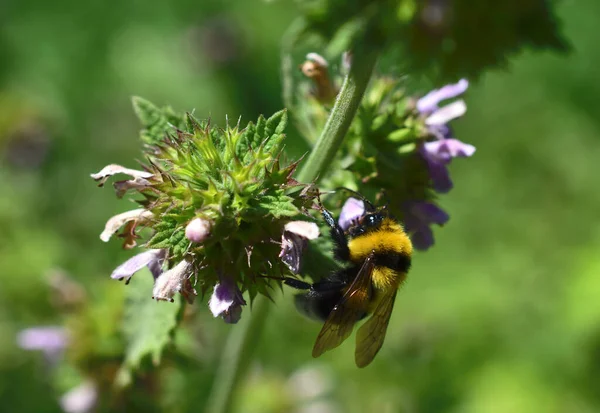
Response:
column 277, row 206
column 147, row 113
column 156, row 122
column 147, row 326
column 267, row 132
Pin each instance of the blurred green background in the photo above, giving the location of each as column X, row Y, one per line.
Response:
column 502, row 315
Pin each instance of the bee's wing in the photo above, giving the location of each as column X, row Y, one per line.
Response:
column 347, row 312
column 371, row 334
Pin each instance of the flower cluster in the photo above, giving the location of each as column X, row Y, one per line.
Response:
column 437, row 152
column 215, row 201
column 398, row 148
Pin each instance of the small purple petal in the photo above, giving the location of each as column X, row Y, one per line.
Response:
column 352, row 210
column 438, row 172
column 153, row 259
column 429, row 213
column 447, row 113
column 429, row 103
column 422, row 239
column 418, row 216
column 226, row 301
column 444, row 150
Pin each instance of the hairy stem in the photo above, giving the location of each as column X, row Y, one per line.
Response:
column 244, row 338
column 338, row 123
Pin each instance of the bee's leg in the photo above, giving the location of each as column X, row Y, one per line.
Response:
column 340, row 250
column 292, row 282
column 297, row 284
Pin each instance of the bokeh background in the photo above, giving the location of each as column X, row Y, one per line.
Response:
column 502, row 315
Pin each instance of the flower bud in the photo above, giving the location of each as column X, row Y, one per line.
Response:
column 198, row 230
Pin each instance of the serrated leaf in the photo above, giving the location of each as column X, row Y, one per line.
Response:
column 147, row 113
column 277, row 206
column 147, row 326
column 157, row 122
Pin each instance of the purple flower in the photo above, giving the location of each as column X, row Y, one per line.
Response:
column 153, row 259
column 429, row 103
column 227, row 300
column 438, row 154
column 436, row 117
column 418, row 216
column 51, row 340
column 352, row 210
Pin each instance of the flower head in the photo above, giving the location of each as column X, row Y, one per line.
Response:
column 206, row 195
column 227, row 301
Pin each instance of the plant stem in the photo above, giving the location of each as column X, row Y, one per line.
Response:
column 244, row 338
column 338, row 123
column 236, row 356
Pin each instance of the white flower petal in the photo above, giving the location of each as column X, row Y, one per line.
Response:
column 116, row 222
column 113, row 169
column 447, row 113
column 305, row 229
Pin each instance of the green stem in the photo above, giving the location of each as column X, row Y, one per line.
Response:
column 236, row 356
column 244, row 338
column 338, row 123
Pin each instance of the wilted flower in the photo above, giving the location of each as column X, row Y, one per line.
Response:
column 418, row 217
column 293, row 242
column 153, row 259
column 176, row 280
column 114, row 223
column 352, row 210
column 227, row 300
column 198, row 230
column 51, row 340
column 316, row 68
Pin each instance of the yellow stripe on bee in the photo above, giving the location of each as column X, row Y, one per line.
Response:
column 385, row 279
column 388, row 238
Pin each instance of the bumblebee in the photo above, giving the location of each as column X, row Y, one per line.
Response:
column 377, row 254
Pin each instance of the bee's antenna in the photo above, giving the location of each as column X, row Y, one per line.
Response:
column 370, row 206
